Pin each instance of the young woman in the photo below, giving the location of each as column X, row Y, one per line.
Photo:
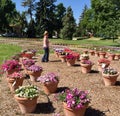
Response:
column 45, row 57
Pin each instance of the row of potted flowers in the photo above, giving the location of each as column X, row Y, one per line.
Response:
column 73, row 100
column 27, row 95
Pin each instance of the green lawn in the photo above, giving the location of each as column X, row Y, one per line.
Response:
column 85, row 42
column 6, row 51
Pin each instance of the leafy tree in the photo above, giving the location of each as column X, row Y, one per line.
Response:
column 106, row 16
column 7, row 12
column 59, row 14
column 30, row 4
column 31, row 29
column 68, row 25
column 19, row 23
column 45, row 16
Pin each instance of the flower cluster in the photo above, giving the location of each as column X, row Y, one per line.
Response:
column 28, row 62
column 59, row 50
column 30, row 91
column 49, row 77
column 70, row 56
column 103, row 60
column 15, row 75
column 34, row 68
column 74, row 98
column 10, row 64
column 84, row 56
column 32, row 50
column 86, row 62
column 110, row 71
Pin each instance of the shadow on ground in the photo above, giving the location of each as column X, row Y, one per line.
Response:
column 117, row 83
column 44, row 108
column 60, row 89
column 93, row 112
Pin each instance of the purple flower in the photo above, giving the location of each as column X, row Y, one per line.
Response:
column 34, row 68
column 28, row 62
column 49, row 77
column 74, row 98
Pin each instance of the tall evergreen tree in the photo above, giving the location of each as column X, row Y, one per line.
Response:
column 59, row 14
column 45, row 16
column 69, row 25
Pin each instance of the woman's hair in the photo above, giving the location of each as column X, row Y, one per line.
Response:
column 46, row 33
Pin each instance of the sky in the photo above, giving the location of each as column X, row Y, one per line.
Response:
column 76, row 5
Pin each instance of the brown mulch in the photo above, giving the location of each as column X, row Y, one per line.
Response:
column 105, row 101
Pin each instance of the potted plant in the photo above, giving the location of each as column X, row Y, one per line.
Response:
column 86, row 66
column 102, row 53
column 84, row 57
column 57, row 51
column 34, row 71
column 103, row 63
column 15, row 80
column 26, row 97
column 62, row 56
column 27, row 63
column 74, row 101
column 110, row 55
column 110, row 76
column 70, row 59
column 11, row 66
column 50, row 82
column 28, row 53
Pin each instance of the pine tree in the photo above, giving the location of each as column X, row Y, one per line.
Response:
column 69, row 25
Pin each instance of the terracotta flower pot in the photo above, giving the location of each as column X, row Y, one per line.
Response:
column 117, row 56
column 111, row 57
column 26, row 105
column 70, row 62
column 92, row 52
column 102, row 54
column 109, row 80
column 62, row 58
column 86, row 68
column 12, row 71
column 73, row 112
column 96, row 53
column 34, row 75
column 14, row 83
column 50, row 87
column 56, row 54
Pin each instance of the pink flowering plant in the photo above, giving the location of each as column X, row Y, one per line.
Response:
column 28, row 62
column 34, row 68
column 49, row 77
column 70, row 56
column 74, row 98
column 15, row 75
column 104, row 61
column 11, row 64
column 86, row 62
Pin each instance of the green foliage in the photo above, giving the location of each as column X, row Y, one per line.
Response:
column 7, row 12
column 45, row 17
column 106, row 17
column 68, row 25
column 6, row 51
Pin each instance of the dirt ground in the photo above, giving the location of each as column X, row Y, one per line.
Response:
column 105, row 101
